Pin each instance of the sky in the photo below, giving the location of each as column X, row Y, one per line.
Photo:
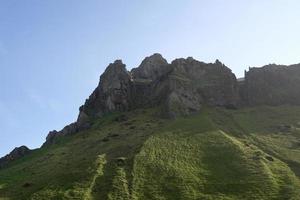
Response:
column 52, row 52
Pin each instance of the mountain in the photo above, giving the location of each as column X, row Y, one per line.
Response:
column 180, row 130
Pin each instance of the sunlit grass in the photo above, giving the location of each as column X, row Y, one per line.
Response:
column 217, row 154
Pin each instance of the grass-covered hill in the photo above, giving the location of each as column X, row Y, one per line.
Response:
column 244, row 154
column 166, row 131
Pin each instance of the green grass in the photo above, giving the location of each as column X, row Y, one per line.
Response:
column 217, row 154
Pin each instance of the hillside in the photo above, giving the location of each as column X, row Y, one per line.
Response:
column 218, row 154
column 184, row 130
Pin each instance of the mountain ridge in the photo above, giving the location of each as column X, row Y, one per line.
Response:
column 183, row 87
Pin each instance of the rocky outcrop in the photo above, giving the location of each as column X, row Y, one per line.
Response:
column 271, row 85
column 112, row 94
column 179, row 88
column 51, row 137
column 194, row 84
column 15, row 154
column 183, row 87
column 151, row 68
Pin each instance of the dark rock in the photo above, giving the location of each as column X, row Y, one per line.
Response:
column 81, row 124
column 25, row 185
column 270, row 158
column 54, row 135
column 120, row 161
column 272, row 85
column 113, row 135
column 82, row 120
column 113, row 92
column 69, row 129
column 284, row 128
column 15, row 154
column 181, row 87
column 121, row 118
column 51, row 137
column 192, row 84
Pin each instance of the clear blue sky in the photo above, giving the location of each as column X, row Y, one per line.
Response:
column 52, row 52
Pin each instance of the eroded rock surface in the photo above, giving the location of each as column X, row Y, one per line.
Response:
column 272, row 85
column 179, row 88
column 113, row 92
column 183, row 87
column 151, row 68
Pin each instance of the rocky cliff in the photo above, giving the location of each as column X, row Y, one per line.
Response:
column 183, row 87
column 271, row 85
column 179, row 88
column 15, row 154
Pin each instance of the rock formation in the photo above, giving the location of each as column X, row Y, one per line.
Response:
column 183, row 87
column 179, row 88
column 14, row 155
column 151, row 68
column 271, row 85
column 112, row 94
column 193, row 84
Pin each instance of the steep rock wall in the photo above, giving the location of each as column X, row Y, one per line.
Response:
column 272, row 85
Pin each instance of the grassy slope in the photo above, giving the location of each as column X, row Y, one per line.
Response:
column 218, row 154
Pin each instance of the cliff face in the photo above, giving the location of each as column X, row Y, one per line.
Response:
column 192, row 84
column 179, row 88
column 113, row 92
column 272, row 85
column 183, row 87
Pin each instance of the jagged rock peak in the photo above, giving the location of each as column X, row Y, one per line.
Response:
column 113, row 73
column 112, row 94
column 151, row 67
column 219, row 63
column 183, row 87
column 180, row 88
column 17, row 153
column 114, row 70
column 118, row 62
